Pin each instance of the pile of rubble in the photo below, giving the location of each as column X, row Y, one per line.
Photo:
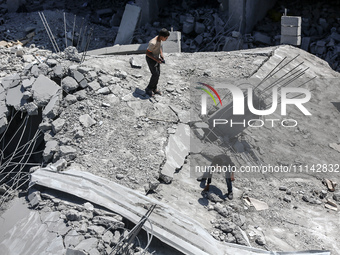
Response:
column 84, row 228
column 320, row 28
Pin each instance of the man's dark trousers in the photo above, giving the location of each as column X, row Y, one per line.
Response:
column 155, row 71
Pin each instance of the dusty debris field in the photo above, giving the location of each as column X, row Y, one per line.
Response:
column 126, row 136
column 135, row 132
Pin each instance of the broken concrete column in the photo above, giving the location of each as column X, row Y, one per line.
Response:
column 291, row 30
column 128, row 24
column 176, row 152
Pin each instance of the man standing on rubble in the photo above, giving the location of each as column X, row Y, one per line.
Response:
column 224, row 162
column 154, row 57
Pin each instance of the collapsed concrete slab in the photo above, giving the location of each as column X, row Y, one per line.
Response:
column 128, row 24
column 179, row 231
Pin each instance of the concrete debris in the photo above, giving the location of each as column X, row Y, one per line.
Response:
column 86, row 120
column 135, row 63
column 176, row 151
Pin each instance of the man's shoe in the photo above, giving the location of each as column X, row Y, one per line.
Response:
column 157, row 92
column 148, row 92
column 230, row 196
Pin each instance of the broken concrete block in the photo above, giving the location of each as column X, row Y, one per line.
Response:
column 31, row 108
column 108, row 222
column 103, row 91
column 60, row 165
column 94, row 85
column 57, row 125
column 44, row 126
column 86, row 120
column 81, row 95
column 104, row 79
column 35, row 71
column 59, row 71
column 51, row 147
column 69, row 84
column 34, row 198
column 199, row 28
column 78, row 76
column 305, row 43
column 52, row 109
column 188, row 27
column 290, row 31
column 199, row 39
column 176, row 152
column 29, row 59
column 26, row 95
column 71, row 99
column 71, row 53
column 67, row 152
column 51, row 62
column 73, row 215
column 262, row 38
column 134, row 63
column 128, row 24
column 291, row 21
column 43, row 90
column 27, row 83
column 15, row 97
column 292, row 40
column 83, row 84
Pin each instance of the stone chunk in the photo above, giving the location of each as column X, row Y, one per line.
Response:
column 67, row 152
column 199, row 28
column 107, row 222
column 15, row 98
column 52, row 109
column 34, row 198
column 86, row 120
column 134, row 63
column 73, row 215
column 43, row 90
column 57, row 125
column 94, row 85
column 291, row 21
column 69, row 84
column 50, row 148
column 31, row 108
column 188, row 27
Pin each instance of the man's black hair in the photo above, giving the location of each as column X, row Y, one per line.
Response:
column 164, row 32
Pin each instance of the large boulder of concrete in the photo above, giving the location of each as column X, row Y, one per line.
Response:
column 43, row 89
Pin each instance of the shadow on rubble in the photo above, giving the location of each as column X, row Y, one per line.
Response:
column 204, row 200
column 138, row 93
